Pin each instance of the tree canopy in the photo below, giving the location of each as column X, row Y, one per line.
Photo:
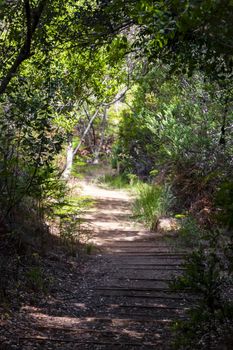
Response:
column 143, row 84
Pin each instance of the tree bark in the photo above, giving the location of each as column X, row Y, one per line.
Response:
column 86, row 130
column 100, row 145
column 69, row 158
column 65, row 173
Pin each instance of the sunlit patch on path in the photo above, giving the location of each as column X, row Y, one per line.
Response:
column 111, row 217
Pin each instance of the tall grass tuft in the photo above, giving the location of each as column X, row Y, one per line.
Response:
column 152, row 202
column 118, row 181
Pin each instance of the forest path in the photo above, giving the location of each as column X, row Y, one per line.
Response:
column 119, row 299
column 110, row 218
column 123, row 301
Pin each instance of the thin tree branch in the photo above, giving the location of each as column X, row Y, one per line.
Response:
column 118, row 97
column 86, row 130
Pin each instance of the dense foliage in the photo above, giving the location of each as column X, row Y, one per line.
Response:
column 148, row 81
column 187, row 125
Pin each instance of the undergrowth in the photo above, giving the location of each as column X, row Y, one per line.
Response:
column 152, row 202
column 208, row 275
column 68, row 216
column 189, row 234
column 49, row 222
column 119, row 181
column 114, row 181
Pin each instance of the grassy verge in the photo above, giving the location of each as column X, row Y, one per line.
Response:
column 114, row 181
column 152, row 202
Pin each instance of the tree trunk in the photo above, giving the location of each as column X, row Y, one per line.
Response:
column 100, row 145
column 65, row 173
column 86, row 130
column 69, row 158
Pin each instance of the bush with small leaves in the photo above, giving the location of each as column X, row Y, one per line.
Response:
column 208, row 276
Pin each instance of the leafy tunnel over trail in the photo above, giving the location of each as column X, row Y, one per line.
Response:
column 143, row 85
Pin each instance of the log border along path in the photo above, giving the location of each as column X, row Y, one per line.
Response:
column 123, row 300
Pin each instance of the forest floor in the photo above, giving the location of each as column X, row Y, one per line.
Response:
column 116, row 298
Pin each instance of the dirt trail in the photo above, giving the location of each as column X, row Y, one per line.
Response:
column 110, row 218
column 119, row 299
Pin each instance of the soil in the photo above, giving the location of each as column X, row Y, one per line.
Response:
column 116, row 298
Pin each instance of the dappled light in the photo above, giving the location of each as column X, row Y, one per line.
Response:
column 117, row 300
column 116, row 174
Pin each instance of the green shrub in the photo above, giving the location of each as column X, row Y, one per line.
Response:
column 190, row 233
column 90, row 248
column 35, row 279
column 115, row 181
column 208, row 276
column 152, row 202
column 69, row 213
column 224, row 201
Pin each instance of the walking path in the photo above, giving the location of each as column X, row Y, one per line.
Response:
column 119, row 299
